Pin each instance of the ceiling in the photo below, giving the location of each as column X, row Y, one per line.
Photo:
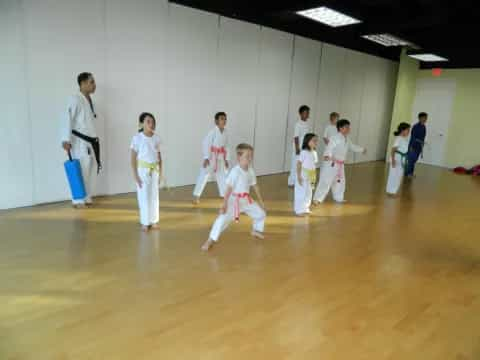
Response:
column 442, row 27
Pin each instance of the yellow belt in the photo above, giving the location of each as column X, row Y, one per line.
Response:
column 312, row 175
column 150, row 166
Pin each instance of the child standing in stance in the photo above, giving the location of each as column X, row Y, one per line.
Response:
column 332, row 173
column 215, row 158
column 306, row 175
column 399, row 158
column 331, row 128
column 146, row 162
column 237, row 198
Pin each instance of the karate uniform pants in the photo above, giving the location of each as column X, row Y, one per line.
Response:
column 147, row 196
column 88, row 166
column 395, row 176
column 302, row 198
column 328, row 181
column 207, row 173
column 253, row 210
column 412, row 159
column 292, row 178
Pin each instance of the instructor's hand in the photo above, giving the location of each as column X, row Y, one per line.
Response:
column 66, row 146
column 206, row 163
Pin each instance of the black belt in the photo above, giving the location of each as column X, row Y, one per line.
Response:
column 95, row 142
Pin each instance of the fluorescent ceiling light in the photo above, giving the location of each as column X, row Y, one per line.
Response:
column 427, row 57
column 328, row 16
column 387, row 40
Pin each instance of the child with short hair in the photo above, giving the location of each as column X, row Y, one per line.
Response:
column 306, row 175
column 331, row 128
column 215, row 158
column 332, row 173
column 237, row 198
column 146, row 162
column 399, row 156
column 302, row 127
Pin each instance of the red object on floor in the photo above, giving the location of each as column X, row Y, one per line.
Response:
column 475, row 171
column 436, row 72
column 460, row 170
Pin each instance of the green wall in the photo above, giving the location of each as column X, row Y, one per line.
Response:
column 463, row 143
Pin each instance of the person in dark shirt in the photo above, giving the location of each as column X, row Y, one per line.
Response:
column 417, row 141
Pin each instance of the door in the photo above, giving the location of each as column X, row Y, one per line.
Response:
column 435, row 97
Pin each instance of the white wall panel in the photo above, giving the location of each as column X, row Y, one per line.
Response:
column 272, row 103
column 238, row 59
column 332, row 71
column 370, row 118
column 181, row 64
column 304, row 86
column 386, row 105
column 64, row 38
column 16, row 177
column 352, row 91
column 136, row 34
column 192, row 100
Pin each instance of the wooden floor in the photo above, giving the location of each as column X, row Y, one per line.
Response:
column 376, row 278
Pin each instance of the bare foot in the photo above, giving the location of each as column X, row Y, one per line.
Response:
column 258, row 234
column 196, row 201
column 79, row 206
column 155, row 226
column 315, row 203
column 207, row 245
column 340, row 201
column 145, row 228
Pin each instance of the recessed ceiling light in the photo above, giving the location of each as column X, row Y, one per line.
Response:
column 427, row 57
column 328, row 16
column 387, row 40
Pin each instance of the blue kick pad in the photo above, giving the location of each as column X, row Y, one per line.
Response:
column 75, row 179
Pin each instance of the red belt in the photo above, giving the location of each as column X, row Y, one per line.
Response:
column 216, row 151
column 236, row 203
column 340, row 163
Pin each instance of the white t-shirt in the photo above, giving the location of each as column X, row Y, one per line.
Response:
column 302, row 128
column 308, row 159
column 241, row 180
column 401, row 143
column 330, row 131
column 146, row 147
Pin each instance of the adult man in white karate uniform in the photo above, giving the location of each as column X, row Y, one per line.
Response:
column 79, row 135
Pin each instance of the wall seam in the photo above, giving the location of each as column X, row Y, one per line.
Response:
column 33, row 199
column 292, row 58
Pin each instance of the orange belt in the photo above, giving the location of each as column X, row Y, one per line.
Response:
column 340, row 163
column 216, row 151
column 236, row 204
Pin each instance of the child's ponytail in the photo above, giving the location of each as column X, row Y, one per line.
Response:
column 401, row 127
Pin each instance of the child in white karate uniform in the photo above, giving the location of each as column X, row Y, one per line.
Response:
column 237, row 198
column 146, row 162
column 306, row 175
column 399, row 158
column 215, row 158
column 332, row 173
column 302, row 127
column 331, row 128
